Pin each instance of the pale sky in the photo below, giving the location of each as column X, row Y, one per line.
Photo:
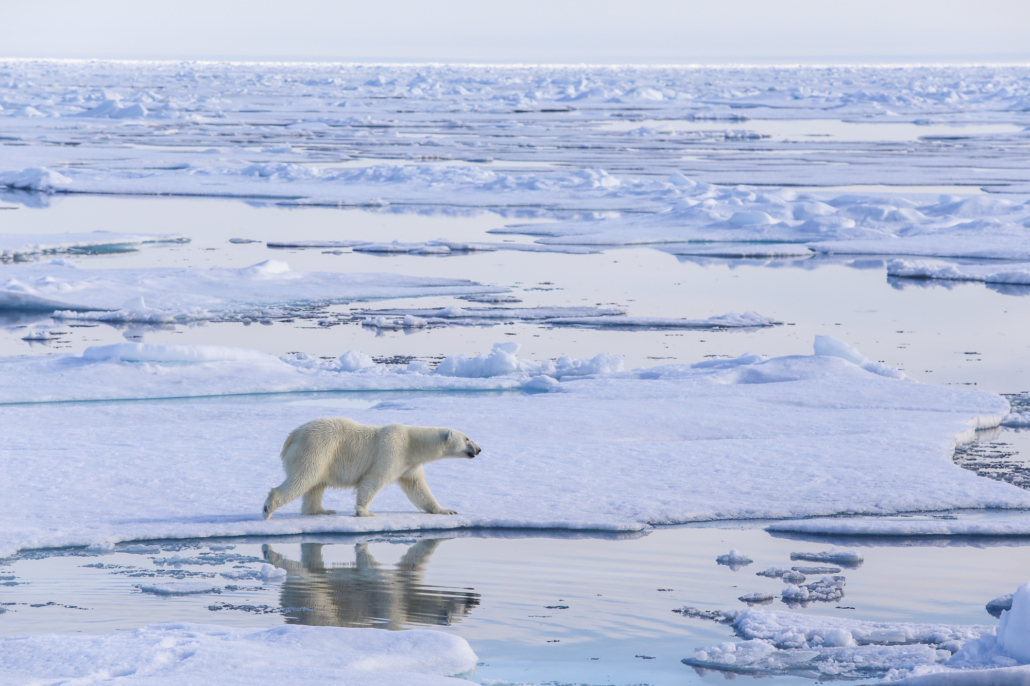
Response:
column 565, row 31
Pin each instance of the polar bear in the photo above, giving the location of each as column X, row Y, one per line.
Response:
column 339, row 452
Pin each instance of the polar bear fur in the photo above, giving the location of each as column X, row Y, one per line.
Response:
column 341, row 453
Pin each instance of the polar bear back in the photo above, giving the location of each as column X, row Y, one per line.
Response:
column 340, row 452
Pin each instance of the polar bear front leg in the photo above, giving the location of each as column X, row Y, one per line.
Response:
column 312, row 504
column 416, row 488
column 368, row 489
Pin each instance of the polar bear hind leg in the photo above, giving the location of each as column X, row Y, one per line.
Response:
column 312, row 504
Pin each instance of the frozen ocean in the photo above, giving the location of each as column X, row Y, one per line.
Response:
column 742, row 348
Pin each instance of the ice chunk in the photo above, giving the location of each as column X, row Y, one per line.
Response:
column 827, row 589
column 734, row 559
column 793, row 577
column 180, row 588
column 1002, row 602
column 845, row 558
column 756, row 598
column 773, row 572
column 816, row 570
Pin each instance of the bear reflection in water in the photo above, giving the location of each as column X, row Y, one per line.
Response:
column 367, row 594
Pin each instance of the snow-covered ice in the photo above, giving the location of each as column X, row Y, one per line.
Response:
column 766, row 438
column 195, row 654
column 178, row 295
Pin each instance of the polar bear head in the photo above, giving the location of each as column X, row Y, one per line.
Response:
column 457, row 444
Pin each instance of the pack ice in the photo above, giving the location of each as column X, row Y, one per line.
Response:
column 750, row 437
column 835, row 647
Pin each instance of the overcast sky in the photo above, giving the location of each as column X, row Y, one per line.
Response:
column 567, row 31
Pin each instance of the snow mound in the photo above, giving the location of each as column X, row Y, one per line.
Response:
column 35, row 179
column 210, row 654
column 831, row 347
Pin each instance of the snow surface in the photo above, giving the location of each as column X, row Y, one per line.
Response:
column 17, row 245
column 797, row 436
column 200, row 654
column 177, row 295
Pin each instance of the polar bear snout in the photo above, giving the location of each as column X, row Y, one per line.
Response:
column 473, row 450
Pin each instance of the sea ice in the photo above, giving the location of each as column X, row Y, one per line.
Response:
column 167, row 294
column 208, row 654
column 785, row 437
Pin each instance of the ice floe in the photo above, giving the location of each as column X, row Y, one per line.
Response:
column 1017, row 525
column 175, row 588
column 14, row 246
column 797, row 436
column 204, row 653
column 180, row 295
column 826, row 589
column 1018, row 274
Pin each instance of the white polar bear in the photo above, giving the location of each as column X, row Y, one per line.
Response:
column 339, row 452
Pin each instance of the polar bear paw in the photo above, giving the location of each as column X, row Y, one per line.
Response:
column 444, row 511
column 365, row 513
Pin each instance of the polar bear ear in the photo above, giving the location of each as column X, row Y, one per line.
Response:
column 447, row 435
